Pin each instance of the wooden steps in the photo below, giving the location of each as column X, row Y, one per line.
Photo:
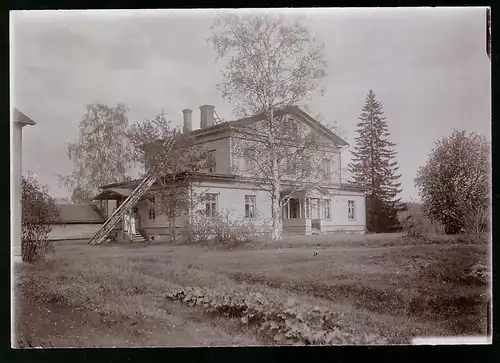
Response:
column 137, row 238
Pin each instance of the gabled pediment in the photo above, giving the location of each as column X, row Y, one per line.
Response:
column 317, row 192
column 300, row 116
column 309, row 192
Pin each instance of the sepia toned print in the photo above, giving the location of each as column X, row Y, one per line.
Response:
column 245, row 178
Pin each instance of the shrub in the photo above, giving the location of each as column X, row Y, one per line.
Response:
column 455, row 181
column 280, row 322
column 39, row 213
column 223, row 231
column 415, row 224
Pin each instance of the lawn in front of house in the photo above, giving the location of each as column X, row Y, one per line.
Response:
column 382, row 287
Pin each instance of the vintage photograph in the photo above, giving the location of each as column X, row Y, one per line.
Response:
column 250, row 177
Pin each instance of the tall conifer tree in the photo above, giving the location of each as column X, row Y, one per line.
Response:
column 374, row 164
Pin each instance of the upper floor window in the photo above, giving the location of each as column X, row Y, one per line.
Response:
column 248, row 161
column 211, row 205
column 325, row 168
column 306, row 167
column 212, row 162
column 152, row 200
column 249, row 206
column 351, row 210
column 290, row 127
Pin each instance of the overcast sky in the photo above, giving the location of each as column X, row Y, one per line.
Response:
column 428, row 67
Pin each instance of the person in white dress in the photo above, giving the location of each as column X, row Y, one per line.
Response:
column 132, row 224
column 126, row 223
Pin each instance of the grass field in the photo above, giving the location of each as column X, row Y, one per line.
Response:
column 377, row 289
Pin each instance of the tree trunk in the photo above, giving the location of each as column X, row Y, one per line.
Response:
column 171, row 218
column 277, row 231
column 171, row 223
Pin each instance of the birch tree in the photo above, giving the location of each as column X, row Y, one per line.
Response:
column 101, row 154
column 271, row 64
column 174, row 160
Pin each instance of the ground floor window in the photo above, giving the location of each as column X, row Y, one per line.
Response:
column 351, row 210
column 249, row 206
column 152, row 214
column 211, row 205
column 326, row 208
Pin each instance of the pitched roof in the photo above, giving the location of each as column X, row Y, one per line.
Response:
column 132, row 184
column 292, row 110
column 78, row 213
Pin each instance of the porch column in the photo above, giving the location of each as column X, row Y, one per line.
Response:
column 18, row 122
column 107, row 206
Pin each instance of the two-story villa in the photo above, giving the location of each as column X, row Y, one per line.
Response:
column 228, row 185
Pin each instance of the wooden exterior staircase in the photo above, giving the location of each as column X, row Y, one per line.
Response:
column 118, row 214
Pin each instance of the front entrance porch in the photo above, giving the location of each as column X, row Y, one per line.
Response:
column 132, row 228
column 306, row 211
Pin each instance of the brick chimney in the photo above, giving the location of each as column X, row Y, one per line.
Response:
column 187, row 120
column 207, row 116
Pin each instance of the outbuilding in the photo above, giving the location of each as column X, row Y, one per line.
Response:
column 79, row 222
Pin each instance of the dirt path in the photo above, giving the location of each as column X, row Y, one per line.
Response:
column 47, row 325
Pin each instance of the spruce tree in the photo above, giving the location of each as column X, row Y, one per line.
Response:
column 374, row 165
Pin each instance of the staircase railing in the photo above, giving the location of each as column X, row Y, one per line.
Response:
column 118, row 214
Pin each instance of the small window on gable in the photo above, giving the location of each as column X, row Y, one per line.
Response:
column 290, row 127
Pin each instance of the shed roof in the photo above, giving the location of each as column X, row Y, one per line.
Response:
column 78, row 213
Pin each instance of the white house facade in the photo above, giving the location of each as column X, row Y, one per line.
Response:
column 323, row 207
